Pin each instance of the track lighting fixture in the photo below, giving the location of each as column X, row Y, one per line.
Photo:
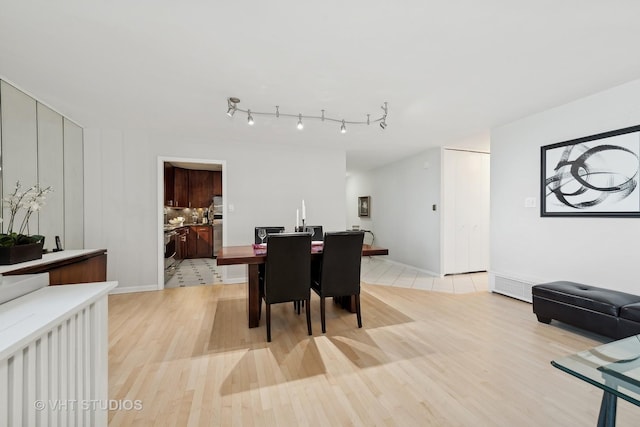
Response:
column 232, row 107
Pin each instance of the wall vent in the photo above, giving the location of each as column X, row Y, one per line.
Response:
column 515, row 288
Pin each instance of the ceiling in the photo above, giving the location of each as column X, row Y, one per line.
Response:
column 450, row 70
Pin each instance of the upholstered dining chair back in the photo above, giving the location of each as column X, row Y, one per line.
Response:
column 341, row 262
column 270, row 230
column 287, row 274
column 318, row 235
column 287, row 268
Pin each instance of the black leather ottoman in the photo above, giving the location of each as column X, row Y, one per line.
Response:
column 587, row 307
column 629, row 320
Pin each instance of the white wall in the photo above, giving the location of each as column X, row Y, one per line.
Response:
column 595, row 251
column 402, row 194
column 265, row 183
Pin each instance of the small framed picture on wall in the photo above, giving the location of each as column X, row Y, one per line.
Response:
column 364, row 206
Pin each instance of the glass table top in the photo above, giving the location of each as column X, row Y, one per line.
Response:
column 613, row 367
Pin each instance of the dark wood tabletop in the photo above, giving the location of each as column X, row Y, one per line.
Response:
column 247, row 254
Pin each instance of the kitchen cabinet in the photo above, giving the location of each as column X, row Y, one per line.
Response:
column 181, row 187
column 200, row 241
column 189, row 188
column 217, row 183
column 182, row 245
column 168, row 184
column 201, row 186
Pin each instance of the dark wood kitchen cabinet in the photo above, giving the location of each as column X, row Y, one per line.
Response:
column 181, row 187
column 200, row 241
column 182, row 245
column 190, row 188
column 168, row 184
column 201, row 187
column 217, row 183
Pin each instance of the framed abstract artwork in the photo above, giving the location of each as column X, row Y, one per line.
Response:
column 593, row 176
column 364, row 206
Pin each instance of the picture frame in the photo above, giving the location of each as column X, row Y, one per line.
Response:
column 592, row 176
column 364, row 206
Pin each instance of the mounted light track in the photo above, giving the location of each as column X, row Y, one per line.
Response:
column 232, row 107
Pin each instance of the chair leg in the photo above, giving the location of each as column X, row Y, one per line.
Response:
column 322, row 316
column 308, row 308
column 268, row 312
column 359, row 316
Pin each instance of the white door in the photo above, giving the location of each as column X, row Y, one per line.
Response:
column 465, row 211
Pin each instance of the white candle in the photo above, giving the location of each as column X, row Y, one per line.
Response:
column 304, row 211
column 297, row 217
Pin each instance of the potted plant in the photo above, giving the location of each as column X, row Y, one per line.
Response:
column 19, row 246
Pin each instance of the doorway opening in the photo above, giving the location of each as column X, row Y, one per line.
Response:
column 191, row 229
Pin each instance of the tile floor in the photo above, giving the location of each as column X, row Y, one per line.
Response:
column 195, row 272
column 375, row 271
column 378, row 271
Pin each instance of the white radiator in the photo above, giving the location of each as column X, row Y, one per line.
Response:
column 516, row 288
column 53, row 357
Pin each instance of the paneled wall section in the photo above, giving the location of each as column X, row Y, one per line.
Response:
column 40, row 146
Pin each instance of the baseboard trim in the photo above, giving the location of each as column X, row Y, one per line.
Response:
column 132, row 289
column 234, row 281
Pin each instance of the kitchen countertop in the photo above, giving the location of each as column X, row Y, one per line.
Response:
column 169, row 227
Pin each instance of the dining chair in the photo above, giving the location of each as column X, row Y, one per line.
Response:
column 317, row 234
column 287, row 273
column 270, row 230
column 338, row 272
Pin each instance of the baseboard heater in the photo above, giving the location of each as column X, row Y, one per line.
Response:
column 515, row 288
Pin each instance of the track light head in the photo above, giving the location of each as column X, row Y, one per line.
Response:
column 343, row 128
column 300, row 125
column 231, row 105
column 383, row 124
column 250, row 118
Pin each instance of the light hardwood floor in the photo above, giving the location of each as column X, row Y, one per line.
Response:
column 423, row 358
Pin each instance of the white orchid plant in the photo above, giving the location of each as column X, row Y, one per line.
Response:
column 32, row 200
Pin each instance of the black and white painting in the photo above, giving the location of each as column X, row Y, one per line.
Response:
column 592, row 176
column 364, row 204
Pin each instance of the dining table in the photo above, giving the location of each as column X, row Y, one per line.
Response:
column 255, row 255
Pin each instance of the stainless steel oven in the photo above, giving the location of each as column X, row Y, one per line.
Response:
column 170, row 245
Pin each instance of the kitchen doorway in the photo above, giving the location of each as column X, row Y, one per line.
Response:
column 191, row 215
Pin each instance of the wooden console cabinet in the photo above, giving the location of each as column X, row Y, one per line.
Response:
column 66, row 267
